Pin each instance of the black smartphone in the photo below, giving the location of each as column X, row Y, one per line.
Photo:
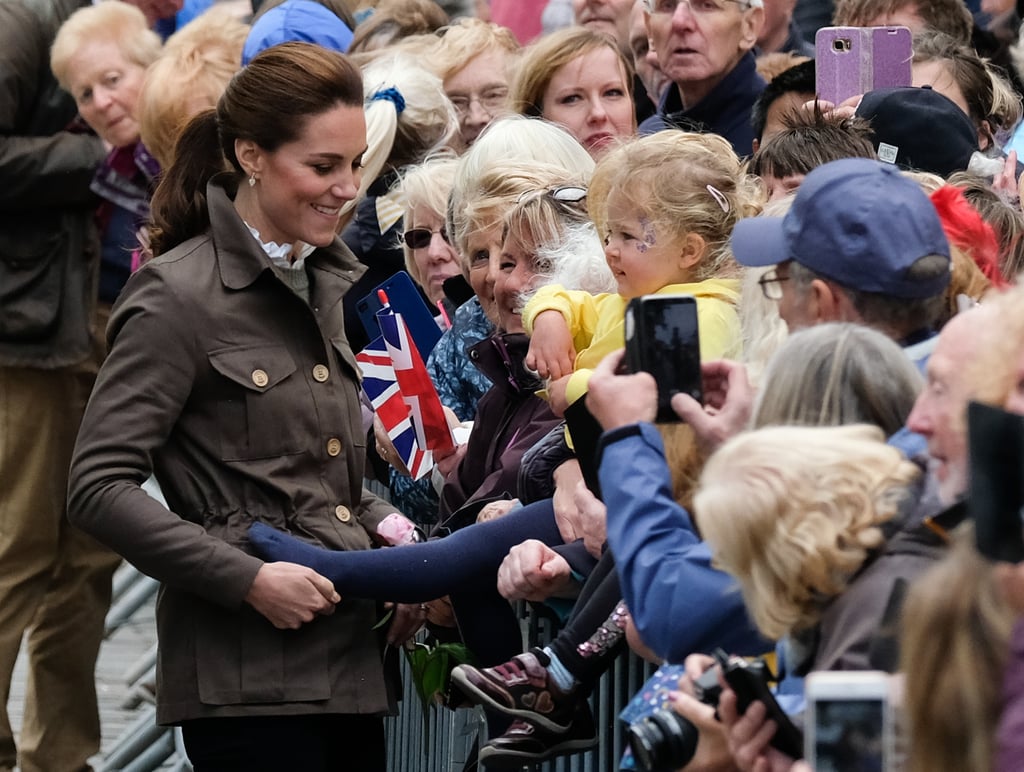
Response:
column 996, row 497
column 749, row 680
column 662, row 339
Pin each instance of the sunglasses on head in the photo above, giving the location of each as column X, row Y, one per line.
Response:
column 566, row 194
column 418, row 238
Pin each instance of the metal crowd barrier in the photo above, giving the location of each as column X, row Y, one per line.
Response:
column 453, row 734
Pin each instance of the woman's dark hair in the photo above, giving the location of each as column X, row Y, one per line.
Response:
column 267, row 102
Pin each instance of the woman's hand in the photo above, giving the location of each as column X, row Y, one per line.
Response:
column 728, row 403
column 620, row 400
column 1005, row 182
column 749, row 737
column 290, row 595
column 534, row 571
column 386, row 449
column 552, row 354
column 592, row 519
column 447, row 463
column 406, row 621
column 567, row 476
column 496, row 509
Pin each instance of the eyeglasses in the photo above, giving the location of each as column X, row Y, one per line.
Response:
column 771, row 284
column 565, row 194
column 418, row 238
column 492, row 100
column 698, row 7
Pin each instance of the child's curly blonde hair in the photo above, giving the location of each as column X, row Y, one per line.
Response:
column 682, row 183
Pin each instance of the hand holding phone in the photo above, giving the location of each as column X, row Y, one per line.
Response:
column 749, row 680
column 662, row 338
column 849, row 723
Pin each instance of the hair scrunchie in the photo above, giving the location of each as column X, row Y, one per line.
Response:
column 392, row 95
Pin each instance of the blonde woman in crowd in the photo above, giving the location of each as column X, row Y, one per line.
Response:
column 408, row 117
column 100, row 56
column 189, row 76
column 578, row 79
column 805, row 519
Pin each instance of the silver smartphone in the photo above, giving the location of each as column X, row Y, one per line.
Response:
column 849, row 725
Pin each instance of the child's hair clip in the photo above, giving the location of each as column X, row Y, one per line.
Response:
column 719, row 196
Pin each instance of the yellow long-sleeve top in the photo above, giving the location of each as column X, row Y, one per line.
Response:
column 597, row 327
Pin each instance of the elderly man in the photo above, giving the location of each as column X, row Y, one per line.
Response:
column 705, row 47
column 861, row 243
column 54, row 579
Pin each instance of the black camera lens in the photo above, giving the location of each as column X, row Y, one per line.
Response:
column 662, row 742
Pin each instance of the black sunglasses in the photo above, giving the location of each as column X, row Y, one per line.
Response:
column 418, row 238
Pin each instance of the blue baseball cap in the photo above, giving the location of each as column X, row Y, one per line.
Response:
column 857, row 222
column 301, row 21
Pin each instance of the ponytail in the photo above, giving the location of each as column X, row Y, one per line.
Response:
column 178, row 210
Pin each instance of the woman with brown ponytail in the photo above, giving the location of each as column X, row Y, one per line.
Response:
column 230, row 378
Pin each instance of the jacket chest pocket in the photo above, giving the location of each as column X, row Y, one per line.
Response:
column 259, row 402
column 32, row 267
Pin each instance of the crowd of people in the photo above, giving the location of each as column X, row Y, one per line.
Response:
column 199, row 194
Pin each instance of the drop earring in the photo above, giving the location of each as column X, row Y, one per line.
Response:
column 252, row 179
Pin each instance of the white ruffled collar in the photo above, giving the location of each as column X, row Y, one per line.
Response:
column 278, row 253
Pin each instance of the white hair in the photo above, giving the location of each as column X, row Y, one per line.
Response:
column 417, row 120
column 577, row 262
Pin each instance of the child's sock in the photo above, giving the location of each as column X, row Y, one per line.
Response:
column 557, row 672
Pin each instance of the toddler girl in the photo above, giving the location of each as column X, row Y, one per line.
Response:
column 665, row 205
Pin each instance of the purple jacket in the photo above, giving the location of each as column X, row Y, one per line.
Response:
column 1010, row 734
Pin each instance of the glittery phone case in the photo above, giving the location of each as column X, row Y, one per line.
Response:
column 854, row 60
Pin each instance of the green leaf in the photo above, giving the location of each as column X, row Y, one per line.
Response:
column 384, row 619
column 431, row 673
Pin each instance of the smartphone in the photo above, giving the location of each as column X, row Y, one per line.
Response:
column 849, row 721
column 854, row 60
column 749, row 680
column 404, row 298
column 662, row 339
column 996, row 498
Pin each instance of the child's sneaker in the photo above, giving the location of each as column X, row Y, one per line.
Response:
column 525, row 743
column 520, row 688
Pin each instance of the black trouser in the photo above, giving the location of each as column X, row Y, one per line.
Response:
column 313, row 743
column 593, row 637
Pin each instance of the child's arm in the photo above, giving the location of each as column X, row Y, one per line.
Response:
column 552, row 353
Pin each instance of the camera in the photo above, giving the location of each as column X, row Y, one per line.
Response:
column 665, row 741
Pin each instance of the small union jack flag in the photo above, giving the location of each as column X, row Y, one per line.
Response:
column 381, row 387
column 402, row 394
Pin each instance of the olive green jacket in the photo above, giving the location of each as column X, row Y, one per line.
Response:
column 243, row 400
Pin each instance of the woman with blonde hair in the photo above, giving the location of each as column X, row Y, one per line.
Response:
column 430, row 258
column 408, row 117
column 474, row 60
column 578, row 79
column 100, row 56
column 800, row 516
column 190, row 75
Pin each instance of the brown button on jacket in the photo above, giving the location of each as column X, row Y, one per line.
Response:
column 209, row 384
